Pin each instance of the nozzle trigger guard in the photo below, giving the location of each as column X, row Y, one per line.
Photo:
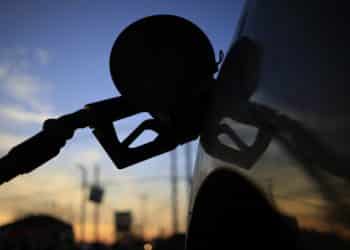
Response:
column 122, row 154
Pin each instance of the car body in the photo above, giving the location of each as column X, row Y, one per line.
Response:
column 294, row 59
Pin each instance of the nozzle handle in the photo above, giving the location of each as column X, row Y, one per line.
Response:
column 42, row 147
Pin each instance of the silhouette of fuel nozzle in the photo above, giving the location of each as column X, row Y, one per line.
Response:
column 161, row 64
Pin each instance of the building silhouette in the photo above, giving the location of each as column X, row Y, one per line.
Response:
column 37, row 232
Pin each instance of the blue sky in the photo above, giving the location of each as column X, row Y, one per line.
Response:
column 53, row 60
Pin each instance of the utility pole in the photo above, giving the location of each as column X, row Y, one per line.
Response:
column 83, row 202
column 143, row 213
column 173, row 181
column 97, row 204
column 270, row 190
column 188, row 153
column 71, row 214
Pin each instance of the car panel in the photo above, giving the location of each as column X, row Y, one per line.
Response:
column 301, row 74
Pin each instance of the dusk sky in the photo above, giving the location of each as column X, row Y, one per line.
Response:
column 54, row 59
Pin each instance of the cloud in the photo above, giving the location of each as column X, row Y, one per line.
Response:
column 89, row 156
column 9, row 140
column 25, row 96
column 26, row 88
column 4, row 70
column 43, row 56
column 21, row 86
column 18, row 114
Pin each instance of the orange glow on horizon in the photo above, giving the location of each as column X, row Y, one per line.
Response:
column 312, row 218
